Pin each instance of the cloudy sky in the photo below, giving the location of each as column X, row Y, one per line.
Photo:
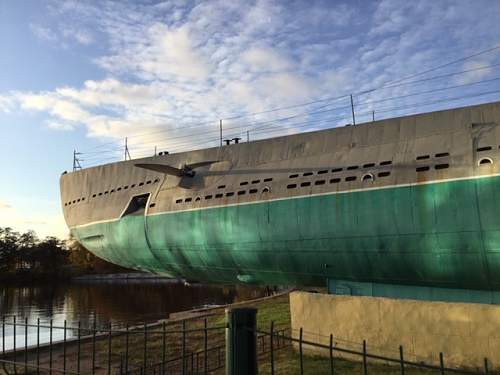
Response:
column 84, row 75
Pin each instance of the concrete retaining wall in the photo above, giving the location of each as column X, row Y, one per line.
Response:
column 465, row 333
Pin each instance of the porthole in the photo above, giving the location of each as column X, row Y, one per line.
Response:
column 132, row 186
column 148, row 182
column 178, row 201
column 106, row 192
column 485, row 161
column 352, row 167
column 335, row 170
column 69, row 203
column 319, row 182
column 100, row 194
column 243, row 183
column 367, row 177
column 335, row 180
column 74, row 201
column 305, row 184
column 269, row 179
column 78, row 200
column 386, row 162
column 125, row 187
column 368, row 165
column 141, row 183
column 350, row 178
column 208, row 196
column 152, row 205
column 323, row 171
column 255, row 181
column 83, row 199
column 219, row 195
column 188, row 200
column 119, row 189
column 266, row 190
column 65, row 204
column 197, row 199
column 293, row 176
column 94, row 195
column 241, row 192
column 156, row 180
column 221, row 187
column 384, row 174
column 112, row 190
column 230, row 194
column 253, row 191
column 307, row 174
column 291, row 186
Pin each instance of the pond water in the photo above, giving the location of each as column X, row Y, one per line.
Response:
column 101, row 303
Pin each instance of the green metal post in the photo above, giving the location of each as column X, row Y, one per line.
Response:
column 241, row 341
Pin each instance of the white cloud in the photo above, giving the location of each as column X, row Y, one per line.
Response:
column 43, row 224
column 43, row 33
column 264, row 59
column 4, row 205
column 170, row 65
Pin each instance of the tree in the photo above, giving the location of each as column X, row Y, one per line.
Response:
column 8, row 248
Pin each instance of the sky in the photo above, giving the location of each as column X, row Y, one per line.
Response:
column 84, row 75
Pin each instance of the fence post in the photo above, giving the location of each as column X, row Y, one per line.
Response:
column 25, row 345
column 331, row 355
column 271, row 344
column 241, row 341
column 301, row 351
column 401, row 360
column 205, row 347
column 365, row 365
column 441, row 362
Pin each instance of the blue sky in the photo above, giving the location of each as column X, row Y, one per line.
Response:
column 84, row 75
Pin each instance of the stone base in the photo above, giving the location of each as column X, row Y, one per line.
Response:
column 465, row 333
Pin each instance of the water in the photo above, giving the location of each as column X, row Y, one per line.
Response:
column 115, row 303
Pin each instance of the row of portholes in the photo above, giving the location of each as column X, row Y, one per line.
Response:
column 221, row 195
column 126, row 187
column 253, row 182
column 340, row 169
column 366, row 178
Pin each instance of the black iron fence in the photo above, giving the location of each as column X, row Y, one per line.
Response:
column 192, row 347
column 331, row 357
column 187, row 347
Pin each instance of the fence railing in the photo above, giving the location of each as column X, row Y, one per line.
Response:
column 189, row 347
column 333, row 353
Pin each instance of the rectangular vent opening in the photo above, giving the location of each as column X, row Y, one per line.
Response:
column 442, row 166
column 486, row 148
column 422, row 169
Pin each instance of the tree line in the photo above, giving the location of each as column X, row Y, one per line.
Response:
column 25, row 256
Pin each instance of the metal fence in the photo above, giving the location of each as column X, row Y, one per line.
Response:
column 188, row 347
column 333, row 355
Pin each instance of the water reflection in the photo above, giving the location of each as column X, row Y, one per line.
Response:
column 116, row 303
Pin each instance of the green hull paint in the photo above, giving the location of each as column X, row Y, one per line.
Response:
column 443, row 234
